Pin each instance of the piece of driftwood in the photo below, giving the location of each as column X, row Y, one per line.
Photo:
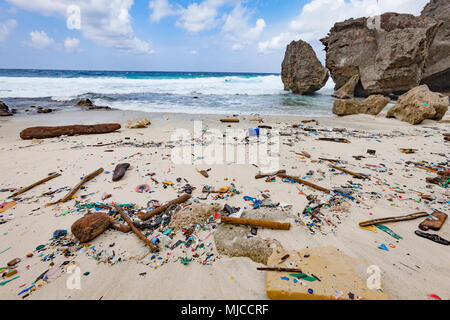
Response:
column 260, row 176
column 293, row 270
column 356, row 175
column 90, row 226
column 306, row 183
column 257, row 223
column 159, row 210
column 229, row 120
column 339, row 140
column 432, row 224
column 53, row 132
column 139, row 234
column 393, row 219
column 119, row 171
column 23, row 190
column 89, row 177
column 330, row 160
column 203, row 173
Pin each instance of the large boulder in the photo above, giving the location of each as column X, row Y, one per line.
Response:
column 373, row 105
column 347, row 91
column 419, row 104
column 437, row 68
column 301, row 70
column 387, row 52
column 4, row 110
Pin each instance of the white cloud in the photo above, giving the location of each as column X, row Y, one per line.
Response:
column 40, row 40
column 106, row 22
column 318, row 16
column 200, row 16
column 161, row 9
column 72, row 44
column 6, row 28
column 237, row 28
column 193, row 52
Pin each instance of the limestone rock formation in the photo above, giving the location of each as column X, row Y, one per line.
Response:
column 419, row 104
column 373, row 105
column 347, row 91
column 388, row 52
column 437, row 68
column 301, row 71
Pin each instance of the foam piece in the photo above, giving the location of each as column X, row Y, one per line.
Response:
column 341, row 276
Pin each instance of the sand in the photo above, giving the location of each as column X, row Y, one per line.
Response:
column 412, row 268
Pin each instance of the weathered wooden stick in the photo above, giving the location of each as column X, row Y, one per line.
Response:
column 53, row 132
column 260, row 176
column 257, row 223
column 229, row 120
column 306, row 183
column 23, row 190
column 393, row 219
column 294, row 270
column 136, row 231
column 356, row 175
column 330, row 160
column 89, row 177
column 159, row 210
column 339, row 140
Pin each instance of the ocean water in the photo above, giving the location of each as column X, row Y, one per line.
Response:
column 179, row 92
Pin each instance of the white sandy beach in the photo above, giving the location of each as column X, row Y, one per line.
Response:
column 412, row 268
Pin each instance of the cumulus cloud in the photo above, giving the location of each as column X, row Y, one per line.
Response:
column 238, row 30
column 72, row 44
column 40, row 40
column 6, row 28
column 200, row 16
column 161, row 9
column 106, row 22
column 318, row 16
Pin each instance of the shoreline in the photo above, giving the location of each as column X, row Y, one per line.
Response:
column 227, row 277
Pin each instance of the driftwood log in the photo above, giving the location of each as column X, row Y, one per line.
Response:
column 229, row 120
column 90, row 226
column 393, row 219
column 261, row 175
column 293, row 270
column 257, row 223
column 356, row 175
column 94, row 224
column 139, row 234
column 78, row 186
column 432, row 224
column 23, row 190
column 306, row 183
column 159, row 210
column 53, row 132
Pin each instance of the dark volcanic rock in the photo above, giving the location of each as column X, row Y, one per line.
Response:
column 437, row 68
column 85, row 103
column 4, row 110
column 388, row 52
column 419, row 104
column 301, row 71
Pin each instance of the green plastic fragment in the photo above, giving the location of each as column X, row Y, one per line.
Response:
column 185, row 261
column 7, row 281
column 388, row 231
column 303, row 276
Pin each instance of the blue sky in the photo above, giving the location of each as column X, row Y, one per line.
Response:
column 169, row 35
